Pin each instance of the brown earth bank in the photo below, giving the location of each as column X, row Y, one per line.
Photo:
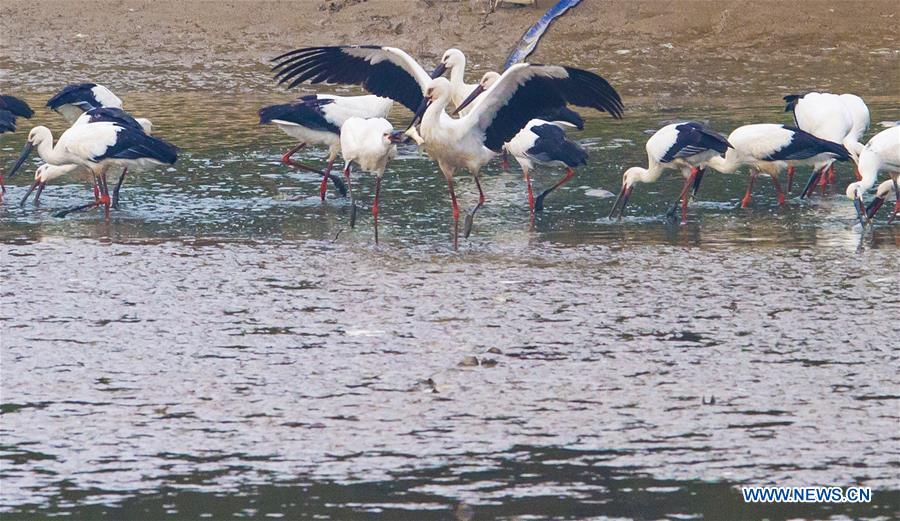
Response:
column 650, row 50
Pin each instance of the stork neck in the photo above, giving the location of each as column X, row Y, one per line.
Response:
column 48, row 152
column 650, row 175
column 457, row 74
column 432, row 116
column 725, row 165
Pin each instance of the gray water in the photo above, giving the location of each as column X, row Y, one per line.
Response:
column 225, row 345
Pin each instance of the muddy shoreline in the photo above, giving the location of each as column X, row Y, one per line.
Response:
column 653, row 51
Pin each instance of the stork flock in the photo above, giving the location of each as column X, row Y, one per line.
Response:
column 522, row 111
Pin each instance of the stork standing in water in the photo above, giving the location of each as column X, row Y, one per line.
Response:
column 11, row 108
column 317, row 120
column 98, row 146
column 837, row 118
column 76, row 99
column 521, row 94
column 882, row 152
column 687, row 147
column 769, row 148
column 370, row 144
column 43, row 175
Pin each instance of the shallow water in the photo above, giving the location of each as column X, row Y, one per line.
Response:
column 227, row 345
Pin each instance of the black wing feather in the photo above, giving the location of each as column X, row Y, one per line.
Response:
column 541, row 93
column 15, row 106
column 804, row 145
column 113, row 115
column 693, row 139
column 306, row 111
column 334, row 65
column 7, row 121
column 134, row 144
column 552, row 145
column 79, row 94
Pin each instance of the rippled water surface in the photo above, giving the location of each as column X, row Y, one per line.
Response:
column 225, row 345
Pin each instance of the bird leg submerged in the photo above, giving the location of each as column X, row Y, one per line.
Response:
column 470, row 218
column 538, row 205
column 101, row 197
column 115, row 195
column 690, row 181
column 375, row 206
column 326, row 175
column 745, row 202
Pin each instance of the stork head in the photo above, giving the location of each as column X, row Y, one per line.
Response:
column 393, row 137
column 489, row 79
column 453, row 58
column 629, row 178
column 37, row 136
column 437, row 88
column 881, row 193
column 854, row 193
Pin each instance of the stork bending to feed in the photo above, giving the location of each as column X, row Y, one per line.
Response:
column 43, row 175
column 317, row 120
column 11, row 108
column 882, row 152
column 370, row 144
column 521, row 94
column 98, row 145
column 687, row 147
column 769, row 148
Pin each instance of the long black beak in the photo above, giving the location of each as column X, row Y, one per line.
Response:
column 439, row 71
column 811, row 183
column 873, row 207
column 621, row 201
column 34, row 185
column 25, row 152
column 423, row 106
column 860, row 210
column 475, row 93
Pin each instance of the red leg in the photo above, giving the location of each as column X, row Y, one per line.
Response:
column 858, row 175
column 2, row 188
column 530, row 191
column 790, row 179
column 104, row 198
column 453, row 202
column 481, row 197
column 778, row 191
column 455, row 207
column 832, row 177
column 745, row 202
column 539, row 201
column 375, row 206
column 823, row 180
column 504, row 160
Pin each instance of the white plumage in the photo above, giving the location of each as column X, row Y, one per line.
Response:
column 370, row 144
column 882, row 152
column 769, row 148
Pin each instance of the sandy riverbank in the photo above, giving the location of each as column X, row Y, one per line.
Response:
column 650, row 50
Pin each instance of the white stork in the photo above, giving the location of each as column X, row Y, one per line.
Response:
column 74, row 100
column 686, row 146
column 537, row 143
column 43, row 175
column 882, row 152
column 98, row 146
column 769, row 148
column 521, row 94
column 837, row 118
column 370, row 144
column 11, row 108
column 317, row 119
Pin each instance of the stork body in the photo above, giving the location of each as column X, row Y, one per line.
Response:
column 544, row 143
column 687, row 147
column 369, row 144
column 316, row 120
column 840, row 119
column 97, row 146
column 770, row 148
column 523, row 92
